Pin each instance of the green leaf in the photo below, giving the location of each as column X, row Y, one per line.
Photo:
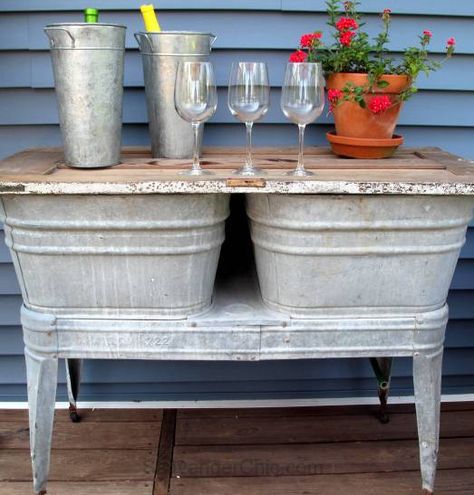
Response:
column 382, row 84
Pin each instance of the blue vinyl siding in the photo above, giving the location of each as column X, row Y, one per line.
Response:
column 441, row 114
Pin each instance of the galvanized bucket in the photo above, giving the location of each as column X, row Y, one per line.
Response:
column 326, row 254
column 88, row 73
column 170, row 135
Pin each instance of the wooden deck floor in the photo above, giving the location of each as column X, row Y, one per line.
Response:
column 327, row 451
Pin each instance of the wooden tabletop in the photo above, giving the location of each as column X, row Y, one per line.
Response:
column 409, row 171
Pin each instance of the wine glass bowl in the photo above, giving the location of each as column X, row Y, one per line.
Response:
column 248, row 101
column 302, row 101
column 195, row 101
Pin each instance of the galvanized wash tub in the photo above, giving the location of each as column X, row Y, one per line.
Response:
column 170, row 135
column 153, row 255
column 359, row 254
column 88, row 64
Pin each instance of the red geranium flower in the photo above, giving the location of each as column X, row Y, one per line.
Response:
column 298, row 56
column 346, row 38
column 307, row 40
column 346, row 23
column 334, row 95
column 427, row 34
column 379, row 104
column 450, row 46
column 387, row 11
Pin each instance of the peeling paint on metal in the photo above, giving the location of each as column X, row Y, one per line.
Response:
column 221, row 186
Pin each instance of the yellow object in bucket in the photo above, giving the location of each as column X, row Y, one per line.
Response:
column 149, row 18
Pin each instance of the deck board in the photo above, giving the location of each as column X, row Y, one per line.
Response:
column 81, row 488
column 301, row 429
column 275, row 451
column 82, row 465
column 87, row 435
column 314, row 458
column 456, row 481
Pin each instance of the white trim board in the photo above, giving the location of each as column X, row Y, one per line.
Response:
column 215, row 404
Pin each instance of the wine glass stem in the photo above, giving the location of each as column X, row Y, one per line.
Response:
column 248, row 160
column 301, row 128
column 196, row 164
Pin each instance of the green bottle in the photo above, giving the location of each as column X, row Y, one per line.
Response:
column 91, row 15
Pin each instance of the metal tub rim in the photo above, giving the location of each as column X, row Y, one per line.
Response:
column 85, row 24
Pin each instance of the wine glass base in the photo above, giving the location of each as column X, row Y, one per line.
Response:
column 249, row 172
column 300, row 173
column 199, row 171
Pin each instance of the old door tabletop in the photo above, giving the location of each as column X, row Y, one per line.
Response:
column 410, row 171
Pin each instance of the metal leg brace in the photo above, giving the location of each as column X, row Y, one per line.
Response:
column 383, row 368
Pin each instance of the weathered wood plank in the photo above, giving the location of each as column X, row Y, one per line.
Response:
column 83, row 465
column 289, row 412
column 307, row 429
column 91, row 415
column 165, row 454
column 431, row 170
column 86, row 435
column 81, row 488
column 310, row 459
column 456, row 481
column 38, row 161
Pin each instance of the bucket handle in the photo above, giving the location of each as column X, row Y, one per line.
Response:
column 138, row 37
column 51, row 40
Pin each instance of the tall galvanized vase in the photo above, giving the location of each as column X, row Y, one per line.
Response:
column 88, row 64
column 170, row 135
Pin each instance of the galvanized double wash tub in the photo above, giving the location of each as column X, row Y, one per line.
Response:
column 120, row 264
column 356, row 254
column 107, row 255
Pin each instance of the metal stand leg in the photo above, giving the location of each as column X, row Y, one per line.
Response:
column 73, row 373
column 42, row 376
column 427, row 369
column 383, row 368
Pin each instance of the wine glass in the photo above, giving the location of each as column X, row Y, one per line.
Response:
column 248, row 100
column 302, row 101
column 195, row 100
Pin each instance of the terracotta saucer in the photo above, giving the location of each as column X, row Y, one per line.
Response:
column 351, row 147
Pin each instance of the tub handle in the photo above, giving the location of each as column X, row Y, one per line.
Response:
column 139, row 36
column 213, row 38
column 51, row 40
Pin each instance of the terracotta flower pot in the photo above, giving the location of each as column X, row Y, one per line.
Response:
column 354, row 121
